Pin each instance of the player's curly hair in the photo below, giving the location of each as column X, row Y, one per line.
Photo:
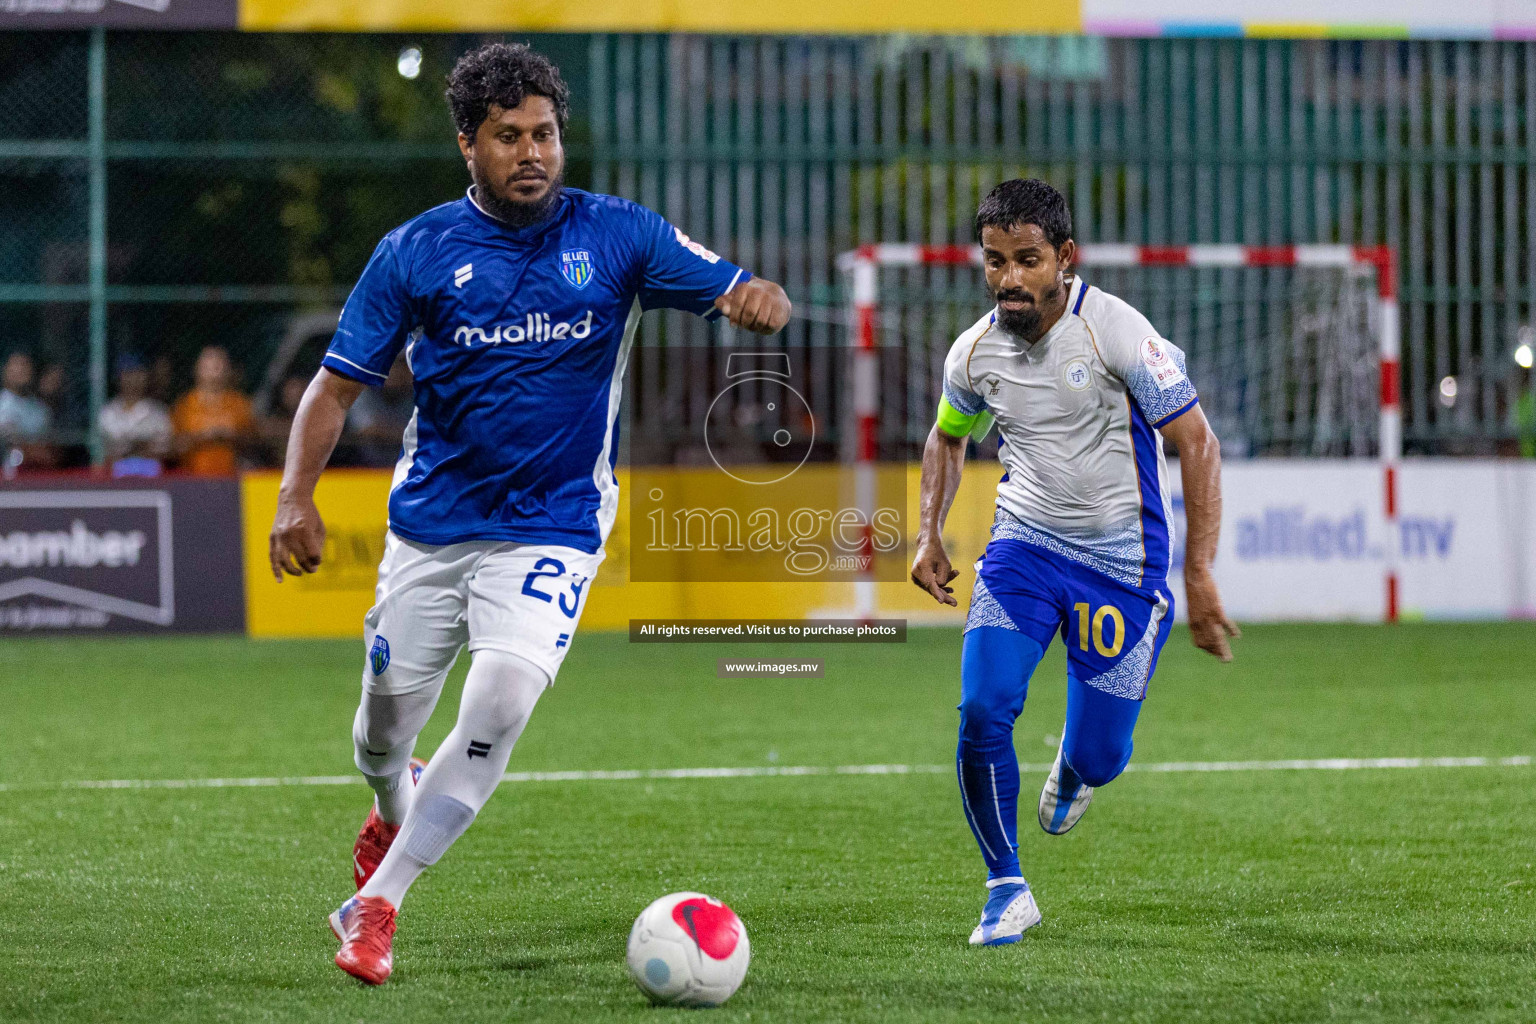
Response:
column 1026, row 201
column 504, row 74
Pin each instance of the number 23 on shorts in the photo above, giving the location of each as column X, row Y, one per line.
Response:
column 569, row 601
column 1096, row 625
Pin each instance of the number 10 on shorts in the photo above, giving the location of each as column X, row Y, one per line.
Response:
column 1097, row 630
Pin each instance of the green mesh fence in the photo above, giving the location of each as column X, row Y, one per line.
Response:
column 247, row 177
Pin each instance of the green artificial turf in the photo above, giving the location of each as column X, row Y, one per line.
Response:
column 1366, row 895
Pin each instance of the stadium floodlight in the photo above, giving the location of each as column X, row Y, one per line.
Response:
column 1295, row 347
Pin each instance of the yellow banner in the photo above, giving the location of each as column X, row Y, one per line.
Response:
column 964, row 17
column 770, row 523
column 332, row 602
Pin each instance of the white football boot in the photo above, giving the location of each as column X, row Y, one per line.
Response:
column 1009, row 913
column 1059, row 810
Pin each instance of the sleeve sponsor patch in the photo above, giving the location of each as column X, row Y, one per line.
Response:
column 695, row 248
column 1159, row 363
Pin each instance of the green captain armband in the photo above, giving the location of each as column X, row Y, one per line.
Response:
column 956, row 424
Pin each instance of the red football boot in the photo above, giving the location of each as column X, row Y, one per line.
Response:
column 366, row 927
column 374, row 840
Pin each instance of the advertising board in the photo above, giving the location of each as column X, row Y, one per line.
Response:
column 141, row 556
column 1307, row 540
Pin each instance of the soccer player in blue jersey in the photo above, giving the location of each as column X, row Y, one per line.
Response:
column 1083, row 390
column 515, row 307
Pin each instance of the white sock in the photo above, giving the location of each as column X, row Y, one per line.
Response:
column 499, row 696
column 383, row 736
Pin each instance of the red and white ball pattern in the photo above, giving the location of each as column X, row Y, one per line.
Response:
column 688, row 949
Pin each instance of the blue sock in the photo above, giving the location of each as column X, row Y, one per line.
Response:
column 989, row 791
column 1096, row 739
column 995, row 666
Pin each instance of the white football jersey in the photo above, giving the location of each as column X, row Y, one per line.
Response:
column 1077, row 415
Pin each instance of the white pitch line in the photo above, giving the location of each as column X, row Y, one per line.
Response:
column 774, row 771
column 1335, row 764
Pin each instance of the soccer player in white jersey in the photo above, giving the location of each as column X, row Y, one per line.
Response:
column 1083, row 389
column 515, row 306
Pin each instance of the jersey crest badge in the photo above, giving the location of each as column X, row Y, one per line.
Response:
column 379, row 656
column 576, row 265
column 995, row 385
column 1077, row 375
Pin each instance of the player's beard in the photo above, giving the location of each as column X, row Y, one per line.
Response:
column 1023, row 323
column 515, row 214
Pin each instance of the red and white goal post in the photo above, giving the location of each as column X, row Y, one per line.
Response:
column 863, row 265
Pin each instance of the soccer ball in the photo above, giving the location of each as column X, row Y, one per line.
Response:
column 688, row 949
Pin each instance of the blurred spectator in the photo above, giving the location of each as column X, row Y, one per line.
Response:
column 53, row 392
column 162, row 380
column 24, row 419
column 277, row 424
column 71, row 419
column 380, row 415
column 23, row 416
column 213, row 420
column 135, row 429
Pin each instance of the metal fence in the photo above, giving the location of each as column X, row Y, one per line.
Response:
column 160, row 192
column 783, row 151
column 239, row 178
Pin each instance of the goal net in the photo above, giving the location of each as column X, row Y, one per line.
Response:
column 1285, row 344
column 1294, row 349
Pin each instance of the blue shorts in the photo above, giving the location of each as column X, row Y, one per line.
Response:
column 1113, row 631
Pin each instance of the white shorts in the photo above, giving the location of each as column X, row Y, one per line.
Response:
column 521, row 599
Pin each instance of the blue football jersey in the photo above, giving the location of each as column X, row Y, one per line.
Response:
column 517, row 339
